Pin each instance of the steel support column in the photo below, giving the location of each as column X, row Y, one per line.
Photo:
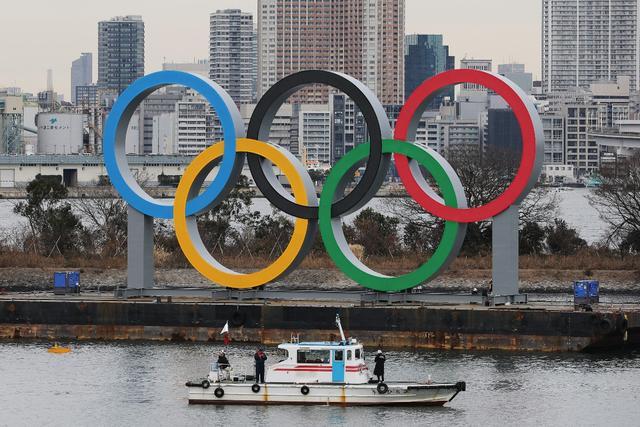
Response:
column 140, row 266
column 505, row 247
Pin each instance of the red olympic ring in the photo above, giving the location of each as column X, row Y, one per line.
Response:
column 415, row 106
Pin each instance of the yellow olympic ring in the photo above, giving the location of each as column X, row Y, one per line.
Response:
column 187, row 231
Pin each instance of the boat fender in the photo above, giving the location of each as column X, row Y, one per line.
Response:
column 255, row 388
column 625, row 323
column 238, row 318
column 205, row 384
column 304, row 390
column 605, row 326
column 382, row 388
column 219, row 393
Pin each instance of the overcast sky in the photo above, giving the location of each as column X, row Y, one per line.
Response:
column 41, row 34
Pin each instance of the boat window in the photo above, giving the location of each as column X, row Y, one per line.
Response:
column 349, row 354
column 357, row 353
column 313, row 356
column 338, row 355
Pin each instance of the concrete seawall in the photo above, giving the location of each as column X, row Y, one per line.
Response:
column 411, row 327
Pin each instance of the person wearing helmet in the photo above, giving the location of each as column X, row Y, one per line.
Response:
column 379, row 369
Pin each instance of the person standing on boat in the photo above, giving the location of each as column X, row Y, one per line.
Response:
column 223, row 365
column 379, row 369
column 223, row 362
column 260, row 358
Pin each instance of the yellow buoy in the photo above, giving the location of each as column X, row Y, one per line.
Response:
column 57, row 348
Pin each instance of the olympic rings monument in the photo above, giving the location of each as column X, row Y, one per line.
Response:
column 324, row 214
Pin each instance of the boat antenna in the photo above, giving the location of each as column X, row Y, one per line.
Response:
column 340, row 328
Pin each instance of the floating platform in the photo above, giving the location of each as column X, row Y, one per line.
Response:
column 530, row 327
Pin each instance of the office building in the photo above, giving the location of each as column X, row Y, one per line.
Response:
column 194, row 124
column 554, row 139
column 584, row 41
column 425, row 56
column 120, row 52
column 581, row 150
column 86, row 96
column 517, row 74
column 199, row 67
column 314, row 135
column 81, row 73
column 363, row 38
column 348, row 127
column 232, row 54
column 158, row 103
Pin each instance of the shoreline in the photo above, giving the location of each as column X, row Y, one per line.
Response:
column 612, row 282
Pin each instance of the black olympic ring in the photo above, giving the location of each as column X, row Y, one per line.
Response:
column 377, row 123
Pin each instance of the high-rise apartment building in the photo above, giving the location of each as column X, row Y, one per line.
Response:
column 425, row 56
column 120, row 52
column 232, row 51
column 584, row 41
column 81, row 73
column 363, row 38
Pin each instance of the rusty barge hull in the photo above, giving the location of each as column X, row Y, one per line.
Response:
column 408, row 327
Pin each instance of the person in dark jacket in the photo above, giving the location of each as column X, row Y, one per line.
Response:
column 223, row 362
column 260, row 358
column 379, row 369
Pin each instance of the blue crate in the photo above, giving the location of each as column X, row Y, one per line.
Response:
column 594, row 289
column 59, row 280
column 73, row 278
column 64, row 283
column 581, row 289
column 586, row 292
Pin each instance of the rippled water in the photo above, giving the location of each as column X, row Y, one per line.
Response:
column 143, row 384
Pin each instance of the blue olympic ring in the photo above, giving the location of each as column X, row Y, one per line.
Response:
column 115, row 135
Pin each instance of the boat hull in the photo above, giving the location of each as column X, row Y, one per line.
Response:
column 398, row 394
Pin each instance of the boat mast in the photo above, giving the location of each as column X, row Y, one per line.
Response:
column 340, row 327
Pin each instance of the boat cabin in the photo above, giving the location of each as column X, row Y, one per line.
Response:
column 321, row 362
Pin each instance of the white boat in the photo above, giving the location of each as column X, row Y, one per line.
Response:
column 318, row 373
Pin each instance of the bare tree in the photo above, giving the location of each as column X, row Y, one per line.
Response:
column 106, row 221
column 618, row 199
column 484, row 176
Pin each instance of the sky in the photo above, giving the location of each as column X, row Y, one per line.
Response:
column 42, row 34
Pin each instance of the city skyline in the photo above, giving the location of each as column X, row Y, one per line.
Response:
column 511, row 37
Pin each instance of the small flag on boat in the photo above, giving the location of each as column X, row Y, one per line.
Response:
column 225, row 332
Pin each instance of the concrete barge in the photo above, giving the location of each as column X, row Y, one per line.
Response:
column 470, row 327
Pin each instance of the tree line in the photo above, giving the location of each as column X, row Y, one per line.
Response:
column 97, row 227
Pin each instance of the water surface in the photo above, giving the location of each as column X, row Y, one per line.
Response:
column 104, row 384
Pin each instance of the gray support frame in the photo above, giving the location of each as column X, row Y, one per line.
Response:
column 140, row 268
column 506, row 248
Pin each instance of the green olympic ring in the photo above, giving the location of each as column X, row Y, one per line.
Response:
column 333, row 234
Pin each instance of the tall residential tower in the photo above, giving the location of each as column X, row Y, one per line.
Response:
column 363, row 38
column 232, row 53
column 120, row 52
column 585, row 41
